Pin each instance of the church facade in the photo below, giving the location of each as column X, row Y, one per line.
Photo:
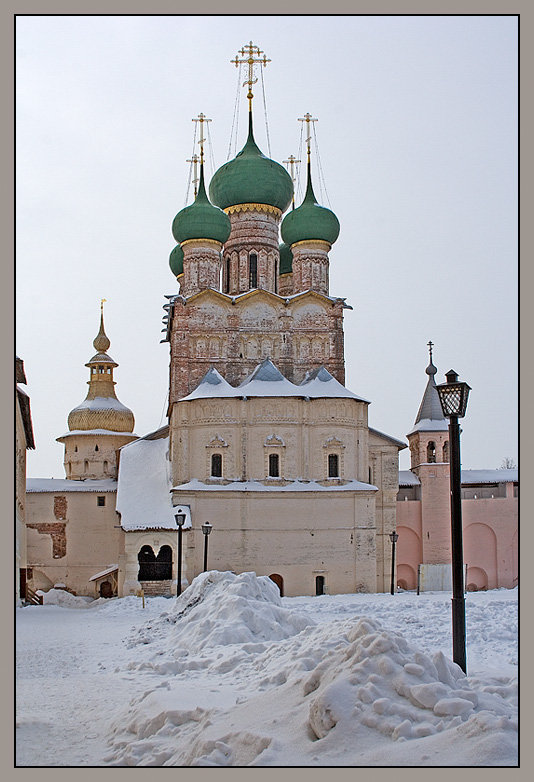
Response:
column 264, row 442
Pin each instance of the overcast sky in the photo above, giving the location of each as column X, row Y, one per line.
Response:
column 417, row 136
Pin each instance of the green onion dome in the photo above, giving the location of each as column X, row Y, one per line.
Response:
column 310, row 221
column 201, row 220
column 251, row 178
column 176, row 261
column 286, row 259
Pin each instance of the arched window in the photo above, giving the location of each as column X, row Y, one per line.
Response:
column 431, row 452
column 216, row 465
column 227, row 281
column 274, row 465
column 86, row 465
column 75, row 449
column 446, row 451
column 253, row 270
column 96, row 447
column 105, row 466
column 333, row 465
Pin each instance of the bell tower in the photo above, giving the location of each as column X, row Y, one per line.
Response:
column 100, row 425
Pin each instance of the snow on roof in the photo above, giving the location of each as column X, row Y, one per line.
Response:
column 106, row 572
column 320, row 383
column 143, row 494
column 78, row 432
column 430, row 425
column 195, row 485
column 489, row 476
column 408, row 478
column 266, row 381
column 388, row 437
column 65, row 485
column 102, row 403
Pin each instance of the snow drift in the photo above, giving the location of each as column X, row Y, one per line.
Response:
column 321, row 688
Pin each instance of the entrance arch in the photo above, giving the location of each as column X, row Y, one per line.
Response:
column 106, row 590
column 319, row 585
column 279, row 581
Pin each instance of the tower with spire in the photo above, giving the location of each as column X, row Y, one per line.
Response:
column 100, row 425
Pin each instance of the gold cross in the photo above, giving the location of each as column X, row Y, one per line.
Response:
column 202, row 119
column 248, row 52
column 307, row 118
column 194, row 160
column 291, row 161
column 102, row 305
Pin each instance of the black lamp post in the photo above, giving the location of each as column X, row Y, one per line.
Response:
column 206, row 529
column 393, row 536
column 179, row 519
column 453, row 399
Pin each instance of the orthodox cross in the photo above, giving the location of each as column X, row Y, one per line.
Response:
column 307, row 118
column 102, row 306
column 291, row 161
column 251, row 56
column 194, row 160
column 430, row 346
column 202, row 119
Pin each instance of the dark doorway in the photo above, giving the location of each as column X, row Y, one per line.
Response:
column 152, row 568
column 319, row 585
column 279, row 581
column 106, row 589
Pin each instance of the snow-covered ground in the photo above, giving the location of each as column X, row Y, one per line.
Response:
column 230, row 674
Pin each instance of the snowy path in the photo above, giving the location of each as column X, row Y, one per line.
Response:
column 230, row 675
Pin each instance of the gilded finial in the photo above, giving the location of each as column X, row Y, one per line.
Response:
column 251, row 56
column 202, row 119
column 101, row 342
column 291, row 162
column 307, row 118
column 194, row 160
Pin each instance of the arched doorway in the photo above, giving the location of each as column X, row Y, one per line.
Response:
column 147, row 564
column 279, row 581
column 152, row 567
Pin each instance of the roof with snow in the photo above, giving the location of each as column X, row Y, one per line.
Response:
column 143, row 494
column 298, row 486
column 267, row 381
column 409, row 478
column 106, row 572
column 78, row 432
column 64, row 485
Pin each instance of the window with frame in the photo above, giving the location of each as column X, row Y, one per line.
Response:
column 333, row 465
column 216, row 465
column 101, row 501
column 431, row 452
column 253, row 270
column 274, row 465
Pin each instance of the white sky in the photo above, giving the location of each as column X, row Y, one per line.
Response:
column 417, row 135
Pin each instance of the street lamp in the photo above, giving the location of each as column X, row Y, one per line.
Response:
column 206, row 529
column 453, row 399
column 393, row 536
column 179, row 519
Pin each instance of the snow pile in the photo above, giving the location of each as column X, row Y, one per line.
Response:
column 220, row 609
column 321, row 687
column 60, row 597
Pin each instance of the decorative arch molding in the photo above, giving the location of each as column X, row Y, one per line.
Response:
column 477, row 579
column 333, row 442
column 217, row 442
column 274, row 441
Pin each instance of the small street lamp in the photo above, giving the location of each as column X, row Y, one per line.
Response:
column 453, row 399
column 206, row 529
column 179, row 519
column 393, row 536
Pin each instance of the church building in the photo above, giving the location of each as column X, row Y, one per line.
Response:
column 265, row 447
